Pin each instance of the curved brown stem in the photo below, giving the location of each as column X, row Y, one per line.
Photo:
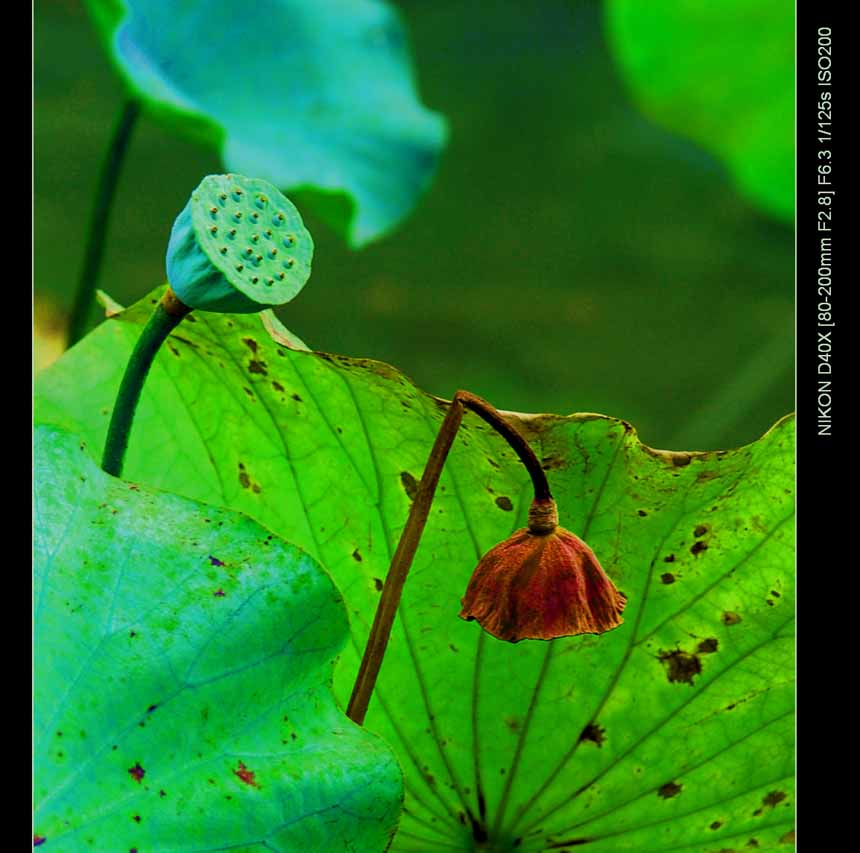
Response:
column 521, row 447
column 392, row 590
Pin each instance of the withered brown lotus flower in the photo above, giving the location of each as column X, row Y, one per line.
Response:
column 540, row 583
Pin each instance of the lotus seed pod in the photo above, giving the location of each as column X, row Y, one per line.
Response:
column 238, row 246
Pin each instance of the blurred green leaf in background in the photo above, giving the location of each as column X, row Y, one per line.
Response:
column 570, row 254
column 722, row 74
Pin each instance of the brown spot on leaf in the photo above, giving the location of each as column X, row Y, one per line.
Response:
column 594, row 733
column 215, row 561
column 667, row 577
column 550, row 462
column 251, row 344
column 409, row 483
column 297, row 398
column 730, row 618
column 503, row 502
column 244, row 479
column 680, row 666
column 669, row 559
column 669, row 790
column 788, row 838
column 753, row 842
column 136, row 818
column 679, row 460
column 708, row 646
column 715, row 825
column 277, row 386
column 255, row 488
column 246, row 775
column 137, row 772
column 219, row 593
column 641, row 512
column 377, row 583
column 255, row 366
column 698, row 547
column 774, row 798
column 356, row 555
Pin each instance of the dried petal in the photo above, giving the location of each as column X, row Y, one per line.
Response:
column 541, row 585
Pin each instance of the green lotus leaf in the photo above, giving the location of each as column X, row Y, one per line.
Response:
column 183, row 660
column 721, row 74
column 673, row 732
column 316, row 97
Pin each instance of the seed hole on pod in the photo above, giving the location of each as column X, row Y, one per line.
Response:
column 254, row 279
column 213, row 211
column 249, row 251
column 289, row 263
column 237, row 215
column 259, row 259
column 261, row 201
column 232, row 232
column 237, row 194
column 213, row 229
column 289, row 240
column 272, row 252
column 269, row 282
column 255, row 238
column 278, row 219
column 240, row 267
column 222, row 196
column 255, row 216
column 223, row 250
column 282, row 275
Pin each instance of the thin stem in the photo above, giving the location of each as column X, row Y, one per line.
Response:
column 400, row 563
column 389, row 601
column 98, row 223
column 166, row 317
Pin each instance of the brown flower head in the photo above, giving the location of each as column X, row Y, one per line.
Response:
column 542, row 582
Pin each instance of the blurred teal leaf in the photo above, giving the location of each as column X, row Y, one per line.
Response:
column 721, row 74
column 315, row 97
column 183, row 664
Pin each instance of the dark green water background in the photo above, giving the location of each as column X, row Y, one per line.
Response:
column 570, row 255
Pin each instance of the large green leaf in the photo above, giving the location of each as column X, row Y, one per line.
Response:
column 672, row 732
column 315, row 96
column 182, row 670
column 722, row 74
